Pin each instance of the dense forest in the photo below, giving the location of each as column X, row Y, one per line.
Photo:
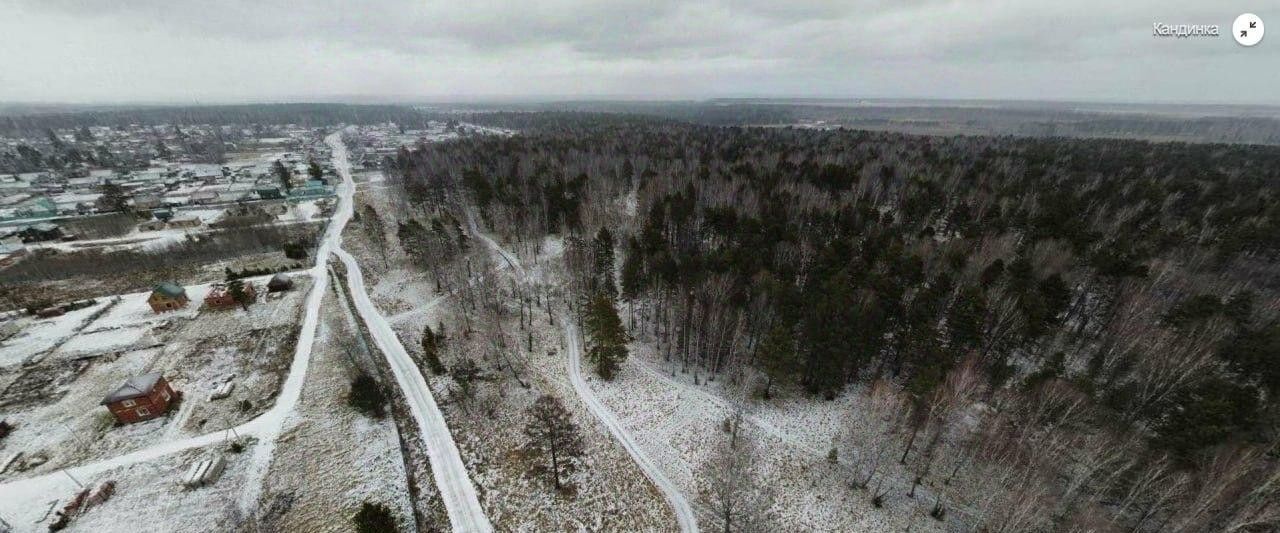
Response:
column 1059, row 334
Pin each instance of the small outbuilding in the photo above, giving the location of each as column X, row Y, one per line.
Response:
column 280, row 283
column 167, row 297
column 141, row 398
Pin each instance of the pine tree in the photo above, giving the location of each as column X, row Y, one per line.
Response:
column 602, row 249
column 415, row 241
column 315, row 171
column 632, row 271
column 377, row 232
column 965, row 320
column 113, row 198
column 608, row 347
column 284, row 175
column 236, row 288
column 366, row 395
column 375, row 518
column 552, row 431
column 431, row 351
column 464, row 374
column 778, row 357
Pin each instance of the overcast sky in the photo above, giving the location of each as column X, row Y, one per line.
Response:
column 271, row 50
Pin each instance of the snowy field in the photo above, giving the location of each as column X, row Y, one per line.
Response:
column 38, row 336
column 148, row 494
column 85, row 354
column 675, row 421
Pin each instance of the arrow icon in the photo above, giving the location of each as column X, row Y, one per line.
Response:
column 1247, row 29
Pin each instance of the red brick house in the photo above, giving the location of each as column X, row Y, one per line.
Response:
column 167, row 297
column 220, row 297
column 141, row 398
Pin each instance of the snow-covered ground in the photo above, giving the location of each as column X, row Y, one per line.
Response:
column 675, row 496
column 337, row 457
column 39, row 335
column 608, row 492
column 54, row 404
column 451, row 477
column 23, row 497
column 673, row 422
column 670, row 422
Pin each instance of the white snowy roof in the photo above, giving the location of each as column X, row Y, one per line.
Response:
column 133, row 387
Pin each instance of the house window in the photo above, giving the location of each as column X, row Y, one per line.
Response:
column 143, row 411
column 129, row 403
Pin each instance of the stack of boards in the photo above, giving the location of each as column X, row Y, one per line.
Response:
column 204, row 472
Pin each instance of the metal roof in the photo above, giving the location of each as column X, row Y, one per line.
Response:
column 170, row 289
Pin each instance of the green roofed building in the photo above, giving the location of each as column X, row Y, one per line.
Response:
column 312, row 189
column 167, row 297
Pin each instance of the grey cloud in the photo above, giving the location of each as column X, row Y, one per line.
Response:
column 703, row 47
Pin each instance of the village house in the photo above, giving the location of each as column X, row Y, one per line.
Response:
column 312, row 189
column 37, row 208
column 167, row 297
column 204, row 197
column 220, row 297
column 269, row 193
column 141, row 398
column 147, row 201
column 186, row 222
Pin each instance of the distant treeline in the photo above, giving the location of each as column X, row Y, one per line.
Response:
column 310, row 115
column 1051, row 120
column 1058, row 120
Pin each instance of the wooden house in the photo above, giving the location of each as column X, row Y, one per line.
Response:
column 167, row 297
column 140, row 398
